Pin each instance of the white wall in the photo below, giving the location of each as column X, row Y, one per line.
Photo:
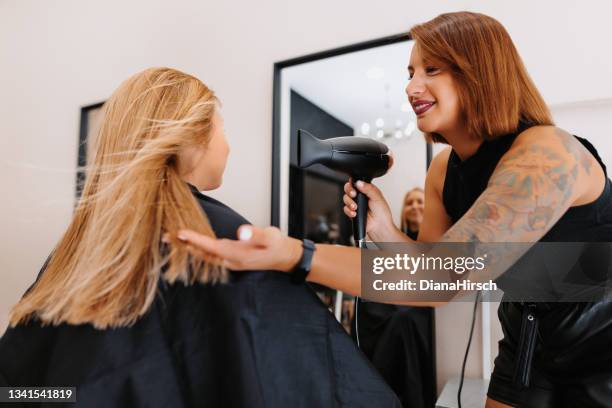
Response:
column 56, row 56
column 59, row 55
column 589, row 119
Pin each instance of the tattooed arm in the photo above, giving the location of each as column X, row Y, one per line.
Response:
column 545, row 171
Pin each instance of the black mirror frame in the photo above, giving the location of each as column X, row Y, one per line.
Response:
column 82, row 146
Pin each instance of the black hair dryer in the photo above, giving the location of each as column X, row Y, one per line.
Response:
column 359, row 157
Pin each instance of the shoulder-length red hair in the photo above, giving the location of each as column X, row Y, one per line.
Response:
column 496, row 93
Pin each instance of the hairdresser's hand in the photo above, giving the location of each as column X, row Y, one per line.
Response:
column 379, row 224
column 255, row 249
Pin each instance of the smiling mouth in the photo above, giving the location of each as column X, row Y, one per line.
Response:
column 422, row 107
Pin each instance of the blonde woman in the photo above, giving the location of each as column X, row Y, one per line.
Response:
column 133, row 322
column 411, row 215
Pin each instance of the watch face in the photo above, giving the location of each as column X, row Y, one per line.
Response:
column 309, row 244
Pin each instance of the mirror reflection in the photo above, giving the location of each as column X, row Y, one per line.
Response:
column 361, row 94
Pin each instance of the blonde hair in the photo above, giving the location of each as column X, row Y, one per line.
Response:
column 106, row 268
column 495, row 91
column 404, row 223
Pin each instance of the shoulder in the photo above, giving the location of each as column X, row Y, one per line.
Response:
column 440, row 160
column 551, row 137
column 547, row 153
column 437, row 169
column 549, row 145
column 223, row 219
column 543, row 146
column 435, row 218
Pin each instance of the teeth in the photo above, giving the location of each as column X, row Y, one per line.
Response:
column 419, row 106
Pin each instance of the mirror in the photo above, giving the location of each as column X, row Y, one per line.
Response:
column 353, row 91
column 357, row 90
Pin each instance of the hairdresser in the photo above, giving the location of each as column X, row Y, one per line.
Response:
column 508, row 175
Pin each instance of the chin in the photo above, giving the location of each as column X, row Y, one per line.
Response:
column 212, row 187
column 425, row 126
column 217, row 184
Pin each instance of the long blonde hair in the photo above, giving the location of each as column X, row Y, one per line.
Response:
column 106, row 268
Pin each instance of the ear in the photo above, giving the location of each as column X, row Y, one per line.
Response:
column 188, row 158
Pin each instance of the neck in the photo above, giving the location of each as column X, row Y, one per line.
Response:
column 413, row 226
column 462, row 143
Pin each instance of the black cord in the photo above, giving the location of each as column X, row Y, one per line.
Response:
column 467, row 350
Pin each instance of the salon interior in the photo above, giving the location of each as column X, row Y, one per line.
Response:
column 330, row 68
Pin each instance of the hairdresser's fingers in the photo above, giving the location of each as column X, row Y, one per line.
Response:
column 348, row 201
column 232, row 264
column 349, row 213
column 348, row 189
column 262, row 237
column 199, row 253
column 369, row 190
column 209, row 245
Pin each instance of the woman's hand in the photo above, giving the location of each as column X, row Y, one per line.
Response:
column 379, row 224
column 255, row 249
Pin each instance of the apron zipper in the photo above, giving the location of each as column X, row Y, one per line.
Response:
column 526, row 346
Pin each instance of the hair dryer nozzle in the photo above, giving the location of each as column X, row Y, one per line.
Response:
column 359, row 157
column 311, row 150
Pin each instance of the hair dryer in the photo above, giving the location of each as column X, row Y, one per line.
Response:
column 359, row 157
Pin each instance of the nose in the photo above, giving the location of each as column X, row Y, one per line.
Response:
column 415, row 87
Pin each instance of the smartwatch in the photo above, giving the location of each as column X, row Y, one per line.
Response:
column 302, row 269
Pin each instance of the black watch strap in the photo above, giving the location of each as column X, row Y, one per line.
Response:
column 302, row 269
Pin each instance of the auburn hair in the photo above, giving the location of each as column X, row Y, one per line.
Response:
column 496, row 94
column 106, row 268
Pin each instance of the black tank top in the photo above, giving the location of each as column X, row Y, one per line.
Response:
column 568, row 335
column 466, row 180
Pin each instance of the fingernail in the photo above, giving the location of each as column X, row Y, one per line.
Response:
column 359, row 183
column 353, row 194
column 181, row 237
column 165, row 239
column 353, row 206
column 245, row 233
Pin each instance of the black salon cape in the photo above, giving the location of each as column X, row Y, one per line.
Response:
column 259, row 341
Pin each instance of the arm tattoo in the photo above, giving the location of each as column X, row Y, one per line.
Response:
column 528, row 192
column 579, row 155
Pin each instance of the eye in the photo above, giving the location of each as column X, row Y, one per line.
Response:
column 410, row 75
column 432, row 70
